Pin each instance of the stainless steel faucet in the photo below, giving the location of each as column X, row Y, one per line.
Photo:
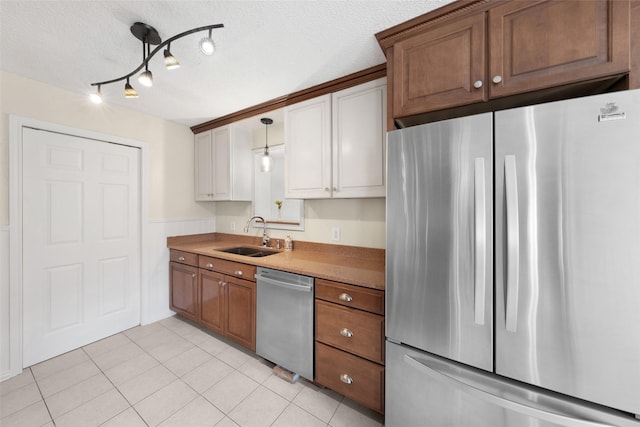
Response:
column 265, row 238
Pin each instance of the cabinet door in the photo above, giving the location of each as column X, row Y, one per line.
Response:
column 308, row 149
column 440, row 68
column 203, row 167
column 359, row 135
column 184, row 294
column 534, row 45
column 220, row 146
column 241, row 311
column 212, row 307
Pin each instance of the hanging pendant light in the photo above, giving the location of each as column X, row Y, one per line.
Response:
column 267, row 161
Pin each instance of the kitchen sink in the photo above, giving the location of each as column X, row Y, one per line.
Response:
column 249, row 251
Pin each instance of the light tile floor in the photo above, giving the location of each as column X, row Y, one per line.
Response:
column 169, row 373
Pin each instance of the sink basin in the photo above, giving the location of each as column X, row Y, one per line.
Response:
column 249, row 251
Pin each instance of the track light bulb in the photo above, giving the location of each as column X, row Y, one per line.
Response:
column 96, row 97
column 129, row 91
column 170, row 61
column 206, row 45
column 146, row 78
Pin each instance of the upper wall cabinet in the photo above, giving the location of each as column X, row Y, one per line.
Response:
column 475, row 51
column 223, row 164
column 335, row 144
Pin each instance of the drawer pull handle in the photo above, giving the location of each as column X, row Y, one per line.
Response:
column 209, row 265
column 238, row 272
column 181, row 258
column 346, row 379
column 345, row 297
column 346, row 332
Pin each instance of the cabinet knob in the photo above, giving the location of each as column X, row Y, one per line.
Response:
column 193, row 274
column 326, row 189
column 346, row 332
column 478, row 84
column 345, row 297
column 223, row 284
column 346, row 379
column 181, row 258
column 209, row 265
column 497, row 79
column 335, row 189
column 238, row 272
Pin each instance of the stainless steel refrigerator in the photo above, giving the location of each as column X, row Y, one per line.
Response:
column 513, row 267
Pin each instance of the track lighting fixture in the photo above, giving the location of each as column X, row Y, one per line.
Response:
column 146, row 78
column 149, row 36
column 170, row 61
column 96, row 98
column 267, row 162
column 206, row 45
column 129, row 91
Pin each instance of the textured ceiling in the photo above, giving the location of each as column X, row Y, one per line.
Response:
column 265, row 50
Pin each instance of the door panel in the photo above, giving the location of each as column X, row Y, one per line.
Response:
column 81, row 275
column 439, row 248
column 567, row 268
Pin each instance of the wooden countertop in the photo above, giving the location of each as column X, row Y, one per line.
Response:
column 347, row 264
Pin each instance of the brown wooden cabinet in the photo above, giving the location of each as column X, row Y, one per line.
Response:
column 473, row 51
column 183, row 276
column 227, row 299
column 350, row 341
column 218, row 294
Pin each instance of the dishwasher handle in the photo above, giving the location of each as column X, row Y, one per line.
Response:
column 287, row 285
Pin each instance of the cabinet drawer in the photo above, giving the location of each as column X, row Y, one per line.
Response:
column 352, row 330
column 351, row 296
column 352, row 376
column 230, row 268
column 183, row 257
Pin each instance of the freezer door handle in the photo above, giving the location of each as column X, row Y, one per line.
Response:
column 543, row 414
column 480, row 218
column 513, row 242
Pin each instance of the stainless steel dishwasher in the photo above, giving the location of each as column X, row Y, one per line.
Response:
column 284, row 320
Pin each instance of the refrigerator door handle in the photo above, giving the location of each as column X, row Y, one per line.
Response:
column 480, row 218
column 531, row 411
column 513, row 242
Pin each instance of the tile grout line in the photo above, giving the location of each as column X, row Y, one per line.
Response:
column 115, row 387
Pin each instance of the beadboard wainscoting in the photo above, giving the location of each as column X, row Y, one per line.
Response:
column 157, row 300
column 5, row 353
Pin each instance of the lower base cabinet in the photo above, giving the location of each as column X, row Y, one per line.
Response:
column 216, row 294
column 350, row 341
column 350, row 375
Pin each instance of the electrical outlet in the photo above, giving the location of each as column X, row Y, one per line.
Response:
column 232, row 226
column 335, row 234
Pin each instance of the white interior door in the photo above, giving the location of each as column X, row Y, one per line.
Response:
column 81, row 242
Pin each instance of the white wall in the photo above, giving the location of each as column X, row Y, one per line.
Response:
column 361, row 221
